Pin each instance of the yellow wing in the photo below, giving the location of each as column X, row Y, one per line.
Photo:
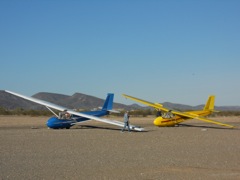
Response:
column 181, row 114
column 154, row 105
column 214, row 122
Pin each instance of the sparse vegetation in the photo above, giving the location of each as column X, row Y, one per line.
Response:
column 20, row 111
column 226, row 113
column 135, row 113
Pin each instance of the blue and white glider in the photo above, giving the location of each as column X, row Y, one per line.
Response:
column 77, row 117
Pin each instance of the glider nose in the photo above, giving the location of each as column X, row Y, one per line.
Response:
column 157, row 121
column 51, row 122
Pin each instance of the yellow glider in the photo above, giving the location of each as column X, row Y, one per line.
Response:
column 171, row 117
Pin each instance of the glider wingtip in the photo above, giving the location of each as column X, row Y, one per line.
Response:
column 7, row 91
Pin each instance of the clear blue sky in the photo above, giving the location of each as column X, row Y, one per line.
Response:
column 157, row 50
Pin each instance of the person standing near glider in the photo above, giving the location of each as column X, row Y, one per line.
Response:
column 126, row 121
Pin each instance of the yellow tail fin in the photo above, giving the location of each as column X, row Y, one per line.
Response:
column 210, row 104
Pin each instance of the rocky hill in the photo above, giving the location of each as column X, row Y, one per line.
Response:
column 83, row 101
column 76, row 101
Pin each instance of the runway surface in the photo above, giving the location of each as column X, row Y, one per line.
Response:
column 195, row 150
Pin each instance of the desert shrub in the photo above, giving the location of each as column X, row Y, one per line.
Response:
column 3, row 111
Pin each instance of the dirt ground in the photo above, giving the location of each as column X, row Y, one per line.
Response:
column 194, row 150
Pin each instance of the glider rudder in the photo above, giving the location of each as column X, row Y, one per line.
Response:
column 210, row 104
column 108, row 104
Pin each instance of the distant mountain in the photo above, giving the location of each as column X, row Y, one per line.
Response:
column 83, row 101
column 9, row 101
column 76, row 101
column 187, row 107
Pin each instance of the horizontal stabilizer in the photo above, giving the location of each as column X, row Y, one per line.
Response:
column 114, row 111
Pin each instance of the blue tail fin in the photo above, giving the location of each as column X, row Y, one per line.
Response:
column 108, row 104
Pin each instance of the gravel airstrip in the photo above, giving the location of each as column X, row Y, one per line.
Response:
column 94, row 150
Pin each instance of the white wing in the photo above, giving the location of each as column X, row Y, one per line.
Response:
column 61, row 108
column 44, row 103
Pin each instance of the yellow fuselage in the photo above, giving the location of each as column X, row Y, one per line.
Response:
column 163, row 122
